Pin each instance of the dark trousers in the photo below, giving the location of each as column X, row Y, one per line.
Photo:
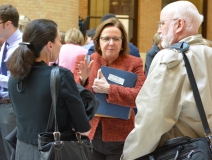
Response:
column 7, row 124
column 104, row 150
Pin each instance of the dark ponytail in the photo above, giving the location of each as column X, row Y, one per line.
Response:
column 36, row 35
column 21, row 62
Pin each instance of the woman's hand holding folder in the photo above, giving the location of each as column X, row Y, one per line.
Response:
column 100, row 84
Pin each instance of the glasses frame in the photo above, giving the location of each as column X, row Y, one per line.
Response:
column 113, row 38
column 161, row 23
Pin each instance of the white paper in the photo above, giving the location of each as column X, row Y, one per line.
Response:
column 116, row 79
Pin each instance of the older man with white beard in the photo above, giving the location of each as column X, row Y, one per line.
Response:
column 165, row 103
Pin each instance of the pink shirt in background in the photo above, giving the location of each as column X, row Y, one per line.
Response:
column 68, row 55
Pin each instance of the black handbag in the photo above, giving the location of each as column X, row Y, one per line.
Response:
column 60, row 146
column 186, row 148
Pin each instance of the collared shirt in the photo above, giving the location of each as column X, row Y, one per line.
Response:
column 13, row 42
column 165, row 103
column 87, row 46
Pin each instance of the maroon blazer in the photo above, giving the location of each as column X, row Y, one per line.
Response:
column 115, row 129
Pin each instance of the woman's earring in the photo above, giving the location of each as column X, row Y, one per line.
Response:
column 51, row 55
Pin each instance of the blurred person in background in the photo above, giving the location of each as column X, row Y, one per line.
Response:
column 23, row 21
column 153, row 51
column 62, row 36
column 73, row 47
column 89, row 33
column 9, row 32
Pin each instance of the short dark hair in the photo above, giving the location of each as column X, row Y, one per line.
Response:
column 107, row 16
column 116, row 23
column 91, row 32
column 37, row 34
column 9, row 13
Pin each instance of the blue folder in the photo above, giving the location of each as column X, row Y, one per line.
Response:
column 118, row 77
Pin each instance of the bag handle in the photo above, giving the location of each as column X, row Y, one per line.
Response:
column 54, row 87
column 183, row 47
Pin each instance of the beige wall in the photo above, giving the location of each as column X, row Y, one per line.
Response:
column 64, row 12
column 148, row 16
column 83, row 8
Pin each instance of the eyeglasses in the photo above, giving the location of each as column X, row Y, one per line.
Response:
column 107, row 39
column 161, row 23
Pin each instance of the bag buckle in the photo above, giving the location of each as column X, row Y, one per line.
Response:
column 57, row 137
column 209, row 136
column 78, row 137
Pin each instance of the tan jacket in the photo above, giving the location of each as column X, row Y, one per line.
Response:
column 165, row 103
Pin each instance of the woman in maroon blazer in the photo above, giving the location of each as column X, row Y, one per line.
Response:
column 111, row 46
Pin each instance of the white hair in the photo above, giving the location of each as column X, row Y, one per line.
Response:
column 187, row 11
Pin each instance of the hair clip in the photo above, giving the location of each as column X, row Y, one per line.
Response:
column 25, row 43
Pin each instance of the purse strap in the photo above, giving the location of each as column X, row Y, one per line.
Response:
column 54, row 87
column 183, row 47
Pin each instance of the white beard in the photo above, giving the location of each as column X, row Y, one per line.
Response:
column 168, row 39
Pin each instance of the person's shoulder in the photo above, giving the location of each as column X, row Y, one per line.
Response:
column 153, row 51
column 167, row 53
column 87, row 46
column 133, row 50
column 150, row 51
column 168, row 56
column 64, row 72
column 81, row 49
column 132, row 46
column 63, row 69
column 16, row 36
column 91, row 47
column 91, row 50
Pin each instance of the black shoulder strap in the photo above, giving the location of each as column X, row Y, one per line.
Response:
column 183, row 47
column 54, row 86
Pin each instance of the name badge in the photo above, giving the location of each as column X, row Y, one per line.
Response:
column 116, row 79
